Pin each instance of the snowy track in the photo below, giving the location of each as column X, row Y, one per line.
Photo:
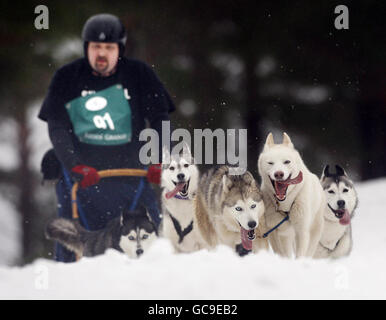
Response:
column 161, row 274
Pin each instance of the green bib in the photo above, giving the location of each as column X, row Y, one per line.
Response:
column 102, row 118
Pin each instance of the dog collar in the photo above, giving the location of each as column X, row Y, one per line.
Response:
column 181, row 197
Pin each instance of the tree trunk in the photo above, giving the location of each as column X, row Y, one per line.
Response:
column 25, row 202
column 253, row 111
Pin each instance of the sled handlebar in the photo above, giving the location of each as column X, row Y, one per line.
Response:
column 105, row 174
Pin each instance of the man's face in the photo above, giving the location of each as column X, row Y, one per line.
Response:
column 103, row 56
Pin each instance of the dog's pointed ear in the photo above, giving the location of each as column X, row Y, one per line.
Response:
column 340, row 171
column 148, row 215
column 248, row 178
column 287, row 141
column 186, row 153
column 165, row 155
column 126, row 214
column 269, row 142
column 226, row 181
column 326, row 172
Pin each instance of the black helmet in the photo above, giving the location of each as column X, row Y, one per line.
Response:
column 104, row 28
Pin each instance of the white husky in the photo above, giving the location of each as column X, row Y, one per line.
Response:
column 342, row 201
column 290, row 191
column 179, row 180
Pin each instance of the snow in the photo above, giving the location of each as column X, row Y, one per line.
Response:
column 220, row 274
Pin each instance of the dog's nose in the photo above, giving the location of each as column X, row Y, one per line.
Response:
column 180, row 176
column 279, row 175
column 341, row 203
column 252, row 224
column 139, row 252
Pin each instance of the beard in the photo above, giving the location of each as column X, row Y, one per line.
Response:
column 101, row 65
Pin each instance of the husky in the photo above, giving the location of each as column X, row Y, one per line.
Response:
column 342, row 200
column 292, row 194
column 179, row 180
column 131, row 233
column 229, row 209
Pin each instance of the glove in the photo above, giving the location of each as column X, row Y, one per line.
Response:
column 86, row 176
column 154, row 174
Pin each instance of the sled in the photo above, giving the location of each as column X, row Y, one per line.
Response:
column 105, row 174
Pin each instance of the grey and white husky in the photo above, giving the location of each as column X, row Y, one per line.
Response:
column 179, row 180
column 229, row 209
column 131, row 233
column 342, row 200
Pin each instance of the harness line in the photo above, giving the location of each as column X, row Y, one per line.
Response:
column 181, row 233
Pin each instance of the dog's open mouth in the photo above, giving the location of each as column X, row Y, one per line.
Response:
column 281, row 186
column 181, row 187
column 247, row 236
column 342, row 214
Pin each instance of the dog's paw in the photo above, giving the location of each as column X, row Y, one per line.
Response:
column 241, row 251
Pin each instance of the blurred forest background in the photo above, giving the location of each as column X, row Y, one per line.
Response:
column 261, row 65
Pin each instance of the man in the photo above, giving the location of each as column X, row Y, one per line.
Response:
column 95, row 109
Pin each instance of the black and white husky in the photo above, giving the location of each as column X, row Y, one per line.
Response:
column 179, row 180
column 342, row 200
column 131, row 233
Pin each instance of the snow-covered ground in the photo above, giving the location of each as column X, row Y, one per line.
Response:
column 161, row 274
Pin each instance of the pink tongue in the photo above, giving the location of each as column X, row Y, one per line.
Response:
column 247, row 244
column 281, row 186
column 345, row 220
column 177, row 189
column 280, row 189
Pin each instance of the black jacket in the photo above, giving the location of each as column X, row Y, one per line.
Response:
column 148, row 100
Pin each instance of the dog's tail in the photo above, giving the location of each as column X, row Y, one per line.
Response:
column 68, row 233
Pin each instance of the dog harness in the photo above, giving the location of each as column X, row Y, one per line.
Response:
column 181, row 233
column 278, row 225
column 336, row 245
column 286, row 214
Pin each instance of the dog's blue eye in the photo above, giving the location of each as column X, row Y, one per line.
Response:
column 239, row 209
column 287, row 162
column 145, row 236
column 131, row 238
column 253, row 206
column 332, row 192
